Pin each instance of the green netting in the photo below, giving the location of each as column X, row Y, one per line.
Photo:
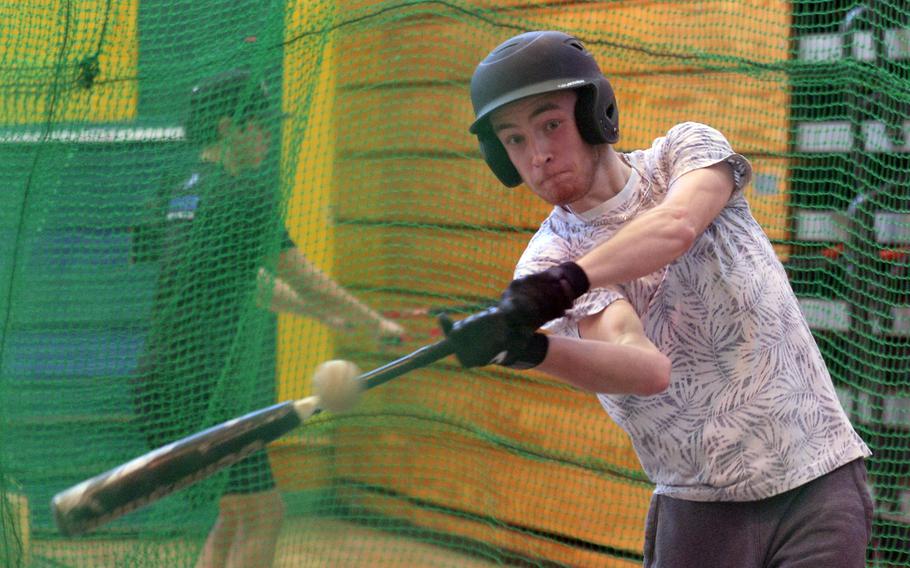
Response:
column 375, row 177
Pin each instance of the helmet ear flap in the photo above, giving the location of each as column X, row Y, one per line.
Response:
column 498, row 159
column 596, row 114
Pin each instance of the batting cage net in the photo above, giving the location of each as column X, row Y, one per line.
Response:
column 166, row 165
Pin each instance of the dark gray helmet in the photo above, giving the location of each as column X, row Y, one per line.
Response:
column 534, row 63
column 231, row 94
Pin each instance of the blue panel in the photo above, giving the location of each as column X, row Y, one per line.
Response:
column 71, row 353
column 66, row 398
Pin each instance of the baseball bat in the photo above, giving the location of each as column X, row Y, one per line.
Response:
column 162, row 471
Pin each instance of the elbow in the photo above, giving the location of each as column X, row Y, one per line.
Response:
column 681, row 230
column 657, row 379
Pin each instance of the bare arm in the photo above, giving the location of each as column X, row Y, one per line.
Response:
column 663, row 234
column 614, row 356
column 277, row 295
column 300, row 287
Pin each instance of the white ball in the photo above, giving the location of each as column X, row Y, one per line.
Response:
column 334, row 384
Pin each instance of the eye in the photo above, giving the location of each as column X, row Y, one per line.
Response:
column 512, row 139
column 552, row 124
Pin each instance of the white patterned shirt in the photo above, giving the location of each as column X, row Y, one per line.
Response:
column 751, row 410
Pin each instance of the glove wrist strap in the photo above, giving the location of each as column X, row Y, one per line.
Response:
column 533, row 353
column 575, row 277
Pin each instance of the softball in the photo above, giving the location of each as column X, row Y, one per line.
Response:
column 334, row 382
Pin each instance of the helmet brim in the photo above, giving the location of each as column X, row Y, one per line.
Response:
column 550, row 86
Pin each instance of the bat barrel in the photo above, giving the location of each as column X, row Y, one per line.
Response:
column 160, row 472
column 169, row 468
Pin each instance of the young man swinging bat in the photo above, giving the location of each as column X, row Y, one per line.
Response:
column 661, row 294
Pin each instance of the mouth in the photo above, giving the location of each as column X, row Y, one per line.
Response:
column 555, row 177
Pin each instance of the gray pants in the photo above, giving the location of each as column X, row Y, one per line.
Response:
column 824, row 523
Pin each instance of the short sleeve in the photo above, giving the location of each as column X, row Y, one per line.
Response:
column 547, row 249
column 592, row 302
column 690, row 145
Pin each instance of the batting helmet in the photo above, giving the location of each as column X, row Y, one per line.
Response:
column 231, row 94
column 530, row 64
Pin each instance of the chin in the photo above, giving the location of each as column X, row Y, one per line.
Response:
column 560, row 196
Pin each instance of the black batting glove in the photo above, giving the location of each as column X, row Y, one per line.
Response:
column 488, row 337
column 535, row 299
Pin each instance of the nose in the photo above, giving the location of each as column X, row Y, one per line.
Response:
column 540, row 152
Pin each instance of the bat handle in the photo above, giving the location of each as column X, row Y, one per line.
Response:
column 419, row 358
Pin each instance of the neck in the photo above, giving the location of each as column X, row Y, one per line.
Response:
column 610, row 177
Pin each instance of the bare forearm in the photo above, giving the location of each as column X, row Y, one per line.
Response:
column 657, row 237
column 321, row 297
column 608, row 368
column 316, row 288
column 280, row 298
column 278, row 295
column 646, row 244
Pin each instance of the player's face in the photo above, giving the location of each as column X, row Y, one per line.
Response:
column 249, row 144
column 542, row 140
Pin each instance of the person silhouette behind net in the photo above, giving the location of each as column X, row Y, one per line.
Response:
column 210, row 351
